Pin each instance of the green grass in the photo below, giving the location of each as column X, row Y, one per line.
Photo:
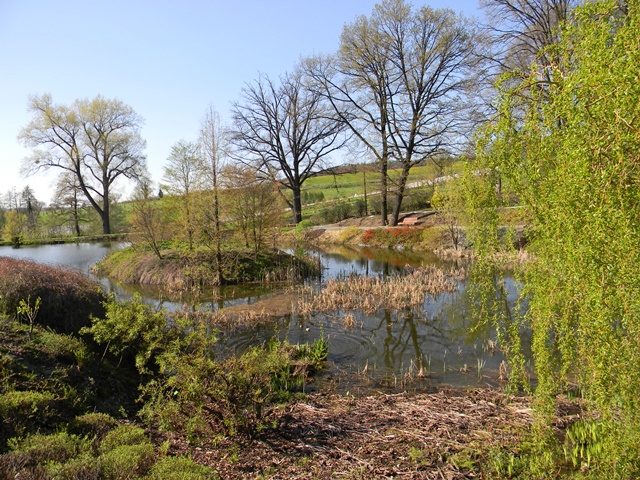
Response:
column 350, row 184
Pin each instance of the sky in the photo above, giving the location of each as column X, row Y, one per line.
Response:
column 168, row 60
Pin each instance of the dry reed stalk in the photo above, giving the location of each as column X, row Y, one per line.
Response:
column 372, row 293
column 349, row 320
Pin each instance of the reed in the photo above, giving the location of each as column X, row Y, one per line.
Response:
column 369, row 294
column 349, row 320
column 481, row 363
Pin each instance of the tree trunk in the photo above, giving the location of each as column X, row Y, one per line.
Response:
column 297, row 205
column 76, row 215
column 400, row 195
column 76, row 221
column 216, row 214
column 104, row 216
column 383, row 191
column 364, row 187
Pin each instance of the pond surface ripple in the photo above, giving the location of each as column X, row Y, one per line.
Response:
column 395, row 349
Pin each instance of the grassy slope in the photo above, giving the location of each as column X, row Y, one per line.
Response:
column 349, row 184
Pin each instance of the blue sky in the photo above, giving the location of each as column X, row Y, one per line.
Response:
column 167, row 59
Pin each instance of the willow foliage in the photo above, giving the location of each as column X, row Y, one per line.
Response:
column 569, row 150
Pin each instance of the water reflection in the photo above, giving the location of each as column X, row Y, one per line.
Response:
column 434, row 345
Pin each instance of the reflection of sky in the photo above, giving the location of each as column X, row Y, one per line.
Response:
column 79, row 256
column 344, row 261
column 439, row 337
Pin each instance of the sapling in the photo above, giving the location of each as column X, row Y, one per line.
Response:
column 26, row 311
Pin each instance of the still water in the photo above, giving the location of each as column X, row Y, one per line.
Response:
column 391, row 349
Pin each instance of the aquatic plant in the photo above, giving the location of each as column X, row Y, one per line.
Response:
column 369, row 293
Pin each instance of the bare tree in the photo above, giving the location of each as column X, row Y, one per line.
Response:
column 286, row 130
column 435, row 63
column 148, row 225
column 253, row 205
column 213, row 146
column 11, row 199
column 98, row 141
column 400, row 81
column 523, row 29
column 356, row 83
column 68, row 199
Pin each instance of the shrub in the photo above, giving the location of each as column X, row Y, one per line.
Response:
column 312, row 196
column 126, row 461
column 417, row 199
column 83, row 467
column 202, row 396
column 336, row 212
column 304, row 225
column 20, row 409
column 180, row 468
column 392, row 237
column 131, row 328
column 68, row 298
column 58, row 344
column 361, row 208
column 93, row 425
column 40, row 449
column 349, row 234
column 123, row 435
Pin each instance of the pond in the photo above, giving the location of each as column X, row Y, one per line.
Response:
column 391, row 349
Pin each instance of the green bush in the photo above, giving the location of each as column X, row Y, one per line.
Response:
column 130, row 329
column 312, row 196
column 123, row 435
column 83, row 467
column 180, row 468
column 361, row 208
column 58, row 344
column 21, row 409
column 417, row 199
column 315, row 354
column 68, row 297
column 41, row 449
column 304, row 225
column 126, row 461
column 203, row 397
column 336, row 212
column 93, row 425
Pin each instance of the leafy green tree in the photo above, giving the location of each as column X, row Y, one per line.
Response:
column 183, row 178
column 14, row 227
column 97, row 141
column 130, row 329
column 570, row 152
